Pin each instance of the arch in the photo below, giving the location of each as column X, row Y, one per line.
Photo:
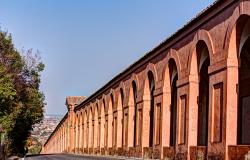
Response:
column 151, row 81
column 132, row 102
column 92, row 111
column 149, row 88
column 237, row 45
column 151, row 68
column 201, row 36
column 120, row 102
column 134, row 78
column 235, row 41
column 230, row 38
column 199, row 55
column 103, row 107
column 96, row 110
column 200, row 58
column 171, row 56
column 112, row 102
column 203, row 62
column 146, row 89
column 121, row 96
column 133, row 93
column 170, row 81
column 118, row 118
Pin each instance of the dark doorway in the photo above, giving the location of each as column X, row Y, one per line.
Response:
column 135, row 112
column 151, row 88
column 173, row 110
column 244, row 95
column 203, row 100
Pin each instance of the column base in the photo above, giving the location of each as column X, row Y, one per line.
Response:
column 135, row 152
column 80, row 151
column 120, row 152
column 91, row 150
column 198, row 152
column 151, row 153
column 97, row 151
column 85, row 151
column 239, row 152
column 110, row 151
column 103, row 151
column 168, row 153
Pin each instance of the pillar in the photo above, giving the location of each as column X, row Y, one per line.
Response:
column 146, row 121
column 130, row 132
column 71, row 103
column 119, row 128
column 110, row 129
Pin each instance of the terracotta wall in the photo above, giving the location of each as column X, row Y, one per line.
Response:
column 114, row 109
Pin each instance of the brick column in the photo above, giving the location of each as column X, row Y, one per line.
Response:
column 102, row 132
column 110, row 126
column 146, row 121
column 231, row 104
column 193, row 111
column 119, row 128
column 96, row 129
column 71, row 103
column 85, row 132
column 130, row 132
column 166, row 104
column 90, row 132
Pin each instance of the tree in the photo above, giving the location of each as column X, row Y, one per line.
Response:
column 21, row 101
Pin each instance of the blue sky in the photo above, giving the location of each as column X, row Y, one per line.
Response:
column 84, row 43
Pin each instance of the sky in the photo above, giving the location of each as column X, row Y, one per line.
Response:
column 85, row 43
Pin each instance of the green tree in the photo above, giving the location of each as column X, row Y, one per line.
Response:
column 21, row 101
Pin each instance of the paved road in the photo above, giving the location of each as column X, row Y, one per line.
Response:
column 68, row 157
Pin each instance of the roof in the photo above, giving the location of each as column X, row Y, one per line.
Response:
column 57, row 127
column 130, row 68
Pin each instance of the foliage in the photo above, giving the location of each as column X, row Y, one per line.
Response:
column 34, row 146
column 21, row 101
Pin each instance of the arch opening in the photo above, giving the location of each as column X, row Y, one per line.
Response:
column 136, row 138
column 114, row 123
column 85, row 130
column 203, row 62
column 105, row 126
column 97, row 132
column 121, row 106
column 76, row 131
column 244, row 84
column 238, row 52
column 90, row 128
column 173, row 74
column 151, row 82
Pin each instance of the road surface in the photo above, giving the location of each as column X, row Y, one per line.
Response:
column 69, row 157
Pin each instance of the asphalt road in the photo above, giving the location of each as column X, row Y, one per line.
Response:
column 68, row 157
